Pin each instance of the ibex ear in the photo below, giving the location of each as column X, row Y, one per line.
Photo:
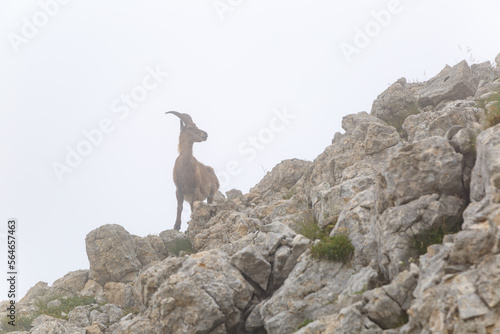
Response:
column 182, row 124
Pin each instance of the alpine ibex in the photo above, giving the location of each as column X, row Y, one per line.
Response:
column 194, row 181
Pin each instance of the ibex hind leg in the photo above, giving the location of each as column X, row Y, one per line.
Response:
column 180, row 202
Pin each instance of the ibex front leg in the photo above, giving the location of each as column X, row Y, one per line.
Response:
column 180, row 201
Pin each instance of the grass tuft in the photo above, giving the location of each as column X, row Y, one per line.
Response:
column 337, row 248
column 181, row 245
column 67, row 305
column 305, row 323
column 24, row 321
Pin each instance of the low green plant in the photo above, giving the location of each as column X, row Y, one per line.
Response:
column 289, row 194
column 67, row 305
column 181, row 245
column 336, row 248
column 435, row 235
column 131, row 310
column 22, row 323
column 360, row 292
column 310, row 229
column 429, row 237
column 305, row 323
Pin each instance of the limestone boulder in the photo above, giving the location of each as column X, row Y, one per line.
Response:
column 250, row 262
column 386, row 306
column 429, row 166
column 452, row 83
column 396, row 103
column 149, row 249
column 465, row 114
column 350, row 164
column 112, row 256
column 205, row 293
column 486, row 173
column 71, row 284
column 404, row 231
column 92, row 288
column 119, row 294
column 444, row 289
column 227, row 227
column 281, row 178
column 311, row 290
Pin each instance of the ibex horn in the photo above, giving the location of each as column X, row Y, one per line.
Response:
column 184, row 117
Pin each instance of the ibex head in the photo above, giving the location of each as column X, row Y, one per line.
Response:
column 189, row 129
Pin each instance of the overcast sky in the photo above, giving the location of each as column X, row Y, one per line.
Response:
column 85, row 85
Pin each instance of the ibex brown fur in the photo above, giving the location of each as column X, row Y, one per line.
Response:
column 194, row 181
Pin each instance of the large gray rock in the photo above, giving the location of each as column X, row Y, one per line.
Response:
column 430, row 166
column 72, row 283
column 112, row 256
column 311, row 290
column 38, row 290
column 352, row 154
column 119, row 294
column 250, row 262
column 149, row 249
column 395, row 104
column 195, row 294
column 349, row 165
column 465, row 114
column 402, row 230
column 52, row 327
column 281, row 178
column 452, row 83
column 464, row 141
column 356, row 219
column 486, row 173
column 484, row 209
column 444, row 289
column 485, row 73
column 137, row 325
column 387, row 306
column 79, row 316
column 226, row 228
column 92, row 288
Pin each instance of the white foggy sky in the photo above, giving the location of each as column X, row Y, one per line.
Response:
column 230, row 75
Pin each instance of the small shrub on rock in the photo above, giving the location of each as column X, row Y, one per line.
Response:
column 336, row 248
column 23, row 323
column 67, row 305
column 181, row 245
column 309, row 229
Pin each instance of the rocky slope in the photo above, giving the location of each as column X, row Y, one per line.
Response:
column 418, row 165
